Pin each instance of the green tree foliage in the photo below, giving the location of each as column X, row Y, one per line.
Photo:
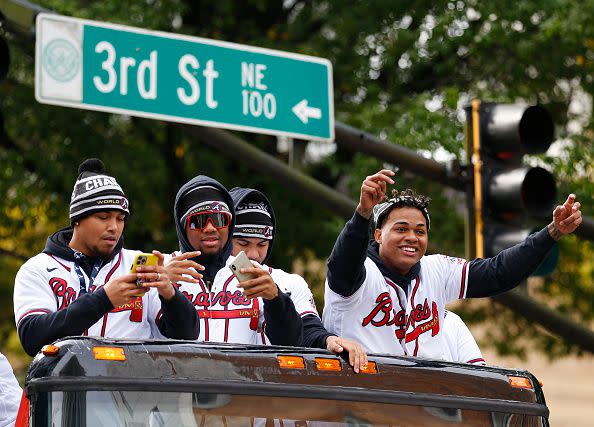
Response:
column 402, row 71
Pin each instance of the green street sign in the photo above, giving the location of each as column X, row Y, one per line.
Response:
column 118, row 69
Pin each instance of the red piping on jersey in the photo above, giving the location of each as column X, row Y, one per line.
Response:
column 463, row 284
column 206, row 328
column 414, row 292
column 412, row 300
column 56, row 259
column 35, row 310
column 104, row 325
column 226, row 337
column 478, row 360
column 396, row 287
column 400, row 333
column 113, row 269
column 263, row 334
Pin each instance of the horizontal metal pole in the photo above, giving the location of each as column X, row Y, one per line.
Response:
column 233, row 147
column 356, row 140
column 553, row 321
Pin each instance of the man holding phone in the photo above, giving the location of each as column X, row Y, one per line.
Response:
column 205, row 219
column 254, row 233
column 81, row 282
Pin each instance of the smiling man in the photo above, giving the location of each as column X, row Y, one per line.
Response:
column 391, row 297
column 80, row 283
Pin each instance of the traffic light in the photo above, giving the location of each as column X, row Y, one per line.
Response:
column 505, row 193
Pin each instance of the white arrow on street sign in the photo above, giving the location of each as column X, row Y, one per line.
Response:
column 304, row 112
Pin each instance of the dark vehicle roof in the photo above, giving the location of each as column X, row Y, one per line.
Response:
column 242, row 369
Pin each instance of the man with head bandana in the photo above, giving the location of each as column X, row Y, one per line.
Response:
column 391, row 296
column 253, row 312
column 80, row 283
column 254, row 233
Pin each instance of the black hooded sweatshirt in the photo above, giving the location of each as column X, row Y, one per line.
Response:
column 283, row 324
column 314, row 333
column 486, row 277
column 179, row 319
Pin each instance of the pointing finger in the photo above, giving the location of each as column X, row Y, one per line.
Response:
column 187, row 255
column 569, row 202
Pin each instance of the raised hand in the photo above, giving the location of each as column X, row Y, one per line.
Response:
column 373, row 191
column 261, row 285
column 181, row 268
column 566, row 218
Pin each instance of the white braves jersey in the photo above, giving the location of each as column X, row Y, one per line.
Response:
column 226, row 314
column 296, row 288
column 460, row 344
column 385, row 319
column 10, row 394
column 47, row 284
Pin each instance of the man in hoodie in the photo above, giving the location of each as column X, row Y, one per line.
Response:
column 204, row 218
column 80, row 283
column 391, row 296
column 255, row 229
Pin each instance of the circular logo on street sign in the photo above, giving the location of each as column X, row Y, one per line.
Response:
column 61, row 60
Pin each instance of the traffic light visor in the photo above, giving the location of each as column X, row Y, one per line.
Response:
column 537, row 130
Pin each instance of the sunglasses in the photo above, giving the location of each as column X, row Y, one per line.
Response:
column 199, row 221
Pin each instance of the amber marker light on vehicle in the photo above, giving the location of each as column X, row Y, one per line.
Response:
column 291, row 362
column 109, row 353
column 370, row 368
column 324, row 364
column 50, row 350
column 520, row 382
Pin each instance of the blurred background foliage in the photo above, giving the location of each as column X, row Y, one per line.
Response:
column 402, row 71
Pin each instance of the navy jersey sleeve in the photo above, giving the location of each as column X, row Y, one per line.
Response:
column 314, row 333
column 179, row 319
column 492, row 276
column 346, row 270
column 37, row 330
column 283, row 323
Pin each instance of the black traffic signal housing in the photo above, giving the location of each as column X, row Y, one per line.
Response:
column 506, row 194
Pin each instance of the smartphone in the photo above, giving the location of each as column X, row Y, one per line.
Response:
column 241, row 261
column 144, row 259
column 140, row 260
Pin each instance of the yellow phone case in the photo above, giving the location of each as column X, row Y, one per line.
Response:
column 144, row 259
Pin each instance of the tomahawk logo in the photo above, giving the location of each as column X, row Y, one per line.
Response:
column 267, row 232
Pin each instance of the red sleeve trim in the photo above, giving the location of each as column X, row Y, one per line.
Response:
column 463, row 284
column 35, row 310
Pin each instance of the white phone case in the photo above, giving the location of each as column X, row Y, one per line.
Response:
column 241, row 261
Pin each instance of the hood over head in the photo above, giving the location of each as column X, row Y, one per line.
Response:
column 191, row 196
